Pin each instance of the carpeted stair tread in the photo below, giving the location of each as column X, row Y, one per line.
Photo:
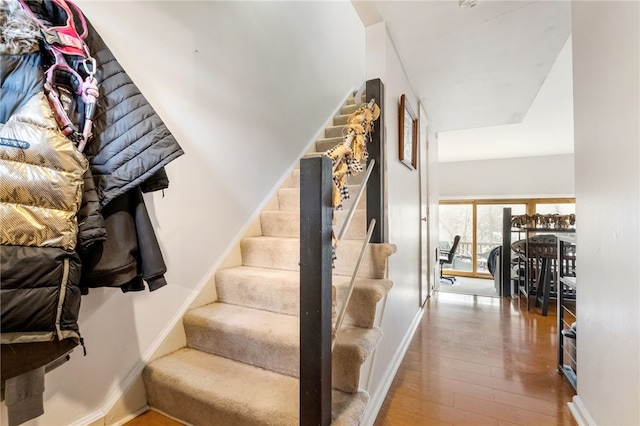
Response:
column 279, row 291
column 367, row 292
column 286, row 223
column 348, row 109
column 208, row 390
column 261, row 338
column 374, row 264
column 335, row 131
column 271, row 252
column 351, row 100
column 261, row 288
column 325, row 144
column 289, row 198
column 340, row 120
column 270, row 340
column 284, row 253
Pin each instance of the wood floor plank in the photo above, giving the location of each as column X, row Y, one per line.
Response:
column 418, row 360
column 503, row 412
column 497, row 358
column 152, row 418
column 429, row 382
column 541, row 406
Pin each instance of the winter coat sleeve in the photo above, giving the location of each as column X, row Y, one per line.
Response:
column 131, row 252
column 131, row 144
column 152, row 262
column 91, row 226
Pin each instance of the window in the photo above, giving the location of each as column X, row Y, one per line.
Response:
column 489, row 230
column 457, row 219
column 479, row 224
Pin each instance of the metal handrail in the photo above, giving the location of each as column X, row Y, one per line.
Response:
column 354, row 277
column 354, row 206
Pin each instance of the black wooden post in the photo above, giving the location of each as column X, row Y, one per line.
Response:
column 376, row 149
column 505, row 256
column 315, row 291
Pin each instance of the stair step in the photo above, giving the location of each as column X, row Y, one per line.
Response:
column 325, row 144
column 284, row 253
column 272, row 341
column 279, row 291
column 289, row 198
column 205, row 389
column 260, row 338
column 351, row 100
column 341, row 120
column 335, row 131
column 374, row 264
column 287, row 223
column 271, row 252
column 348, row 109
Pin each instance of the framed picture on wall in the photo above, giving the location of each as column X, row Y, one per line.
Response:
column 408, row 127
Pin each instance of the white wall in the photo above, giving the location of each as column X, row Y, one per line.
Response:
column 403, row 190
column 434, row 203
column 245, row 87
column 606, row 55
column 543, row 176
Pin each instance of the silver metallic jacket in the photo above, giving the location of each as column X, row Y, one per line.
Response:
column 41, row 191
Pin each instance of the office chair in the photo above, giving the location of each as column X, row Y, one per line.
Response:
column 446, row 257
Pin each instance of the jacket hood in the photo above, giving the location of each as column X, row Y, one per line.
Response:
column 19, row 31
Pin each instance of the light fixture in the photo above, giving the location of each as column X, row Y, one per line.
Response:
column 467, row 4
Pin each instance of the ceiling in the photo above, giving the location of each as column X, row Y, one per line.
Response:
column 495, row 79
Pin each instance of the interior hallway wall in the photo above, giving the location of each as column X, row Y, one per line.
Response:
column 606, row 75
column 403, row 188
column 244, row 87
column 526, row 177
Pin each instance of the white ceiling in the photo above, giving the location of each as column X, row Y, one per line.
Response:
column 495, row 79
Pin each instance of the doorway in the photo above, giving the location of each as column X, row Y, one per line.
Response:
column 479, row 224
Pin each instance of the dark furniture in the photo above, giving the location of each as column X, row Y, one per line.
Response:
column 567, row 336
column 446, row 257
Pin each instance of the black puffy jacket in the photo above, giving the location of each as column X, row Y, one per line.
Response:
column 42, row 179
column 130, row 148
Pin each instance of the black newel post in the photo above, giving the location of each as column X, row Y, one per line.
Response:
column 315, row 291
column 376, row 149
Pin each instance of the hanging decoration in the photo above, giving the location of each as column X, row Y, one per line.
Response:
column 546, row 221
column 349, row 156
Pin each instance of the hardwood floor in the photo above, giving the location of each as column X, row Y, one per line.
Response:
column 479, row 361
column 473, row 361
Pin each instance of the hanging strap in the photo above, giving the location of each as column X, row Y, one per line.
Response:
column 65, row 40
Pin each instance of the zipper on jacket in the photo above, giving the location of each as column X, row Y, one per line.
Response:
column 61, row 297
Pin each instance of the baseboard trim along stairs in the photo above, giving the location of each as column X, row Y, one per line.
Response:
column 240, row 365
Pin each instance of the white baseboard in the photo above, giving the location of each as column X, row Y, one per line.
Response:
column 377, row 399
column 130, row 417
column 97, row 418
column 580, row 413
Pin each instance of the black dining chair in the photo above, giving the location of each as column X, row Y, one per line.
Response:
column 446, row 257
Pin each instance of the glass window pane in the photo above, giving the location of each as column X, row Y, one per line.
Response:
column 489, row 230
column 457, row 219
column 562, row 208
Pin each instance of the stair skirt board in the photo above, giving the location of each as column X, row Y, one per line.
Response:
column 240, row 365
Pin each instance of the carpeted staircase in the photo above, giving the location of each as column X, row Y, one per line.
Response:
column 241, row 363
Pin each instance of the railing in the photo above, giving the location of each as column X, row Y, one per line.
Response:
column 354, row 206
column 363, row 250
column 316, row 250
column 354, row 277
